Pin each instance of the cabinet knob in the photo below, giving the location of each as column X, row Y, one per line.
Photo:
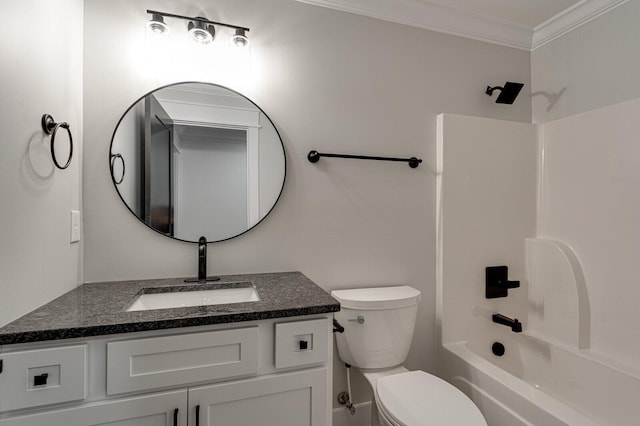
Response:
column 40, row 380
column 304, row 345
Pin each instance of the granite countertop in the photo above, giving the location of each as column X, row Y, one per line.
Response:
column 97, row 309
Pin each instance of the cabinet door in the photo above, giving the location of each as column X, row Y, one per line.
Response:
column 288, row 399
column 154, row 410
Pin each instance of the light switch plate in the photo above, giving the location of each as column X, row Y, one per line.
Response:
column 75, row 226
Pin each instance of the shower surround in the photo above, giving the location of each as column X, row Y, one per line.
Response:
column 557, row 203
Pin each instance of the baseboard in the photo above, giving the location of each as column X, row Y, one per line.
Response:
column 362, row 416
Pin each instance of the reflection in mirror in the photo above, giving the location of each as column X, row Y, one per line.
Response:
column 201, row 160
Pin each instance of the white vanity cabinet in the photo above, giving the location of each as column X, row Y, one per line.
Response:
column 269, row 372
column 160, row 409
column 291, row 399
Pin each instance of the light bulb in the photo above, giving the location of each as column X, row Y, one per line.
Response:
column 240, row 39
column 156, row 25
column 201, row 32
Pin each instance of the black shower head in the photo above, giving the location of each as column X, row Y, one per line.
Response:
column 508, row 93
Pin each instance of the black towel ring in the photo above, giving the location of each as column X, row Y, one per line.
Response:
column 113, row 161
column 50, row 127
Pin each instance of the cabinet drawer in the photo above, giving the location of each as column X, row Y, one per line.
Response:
column 302, row 343
column 44, row 376
column 134, row 365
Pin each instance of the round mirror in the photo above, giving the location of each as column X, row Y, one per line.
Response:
column 197, row 159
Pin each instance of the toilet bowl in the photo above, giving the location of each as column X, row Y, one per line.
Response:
column 378, row 329
column 418, row 398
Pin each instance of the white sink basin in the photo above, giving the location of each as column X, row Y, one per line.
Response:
column 168, row 298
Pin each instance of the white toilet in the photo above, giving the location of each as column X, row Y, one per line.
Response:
column 378, row 328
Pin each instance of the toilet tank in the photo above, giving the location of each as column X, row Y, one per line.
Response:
column 378, row 325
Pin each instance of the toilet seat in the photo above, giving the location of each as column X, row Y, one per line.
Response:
column 417, row 398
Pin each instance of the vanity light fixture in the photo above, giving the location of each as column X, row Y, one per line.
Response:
column 201, row 30
column 240, row 38
column 156, row 24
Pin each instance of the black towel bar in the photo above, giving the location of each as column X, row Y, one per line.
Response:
column 314, row 156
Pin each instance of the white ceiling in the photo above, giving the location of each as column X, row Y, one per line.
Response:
column 523, row 24
column 529, row 13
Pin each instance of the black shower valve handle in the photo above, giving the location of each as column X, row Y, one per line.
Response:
column 509, row 284
column 497, row 283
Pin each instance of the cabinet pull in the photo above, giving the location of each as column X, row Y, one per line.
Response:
column 175, row 417
column 41, row 379
column 198, row 415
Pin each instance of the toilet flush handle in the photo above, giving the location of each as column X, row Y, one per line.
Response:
column 359, row 319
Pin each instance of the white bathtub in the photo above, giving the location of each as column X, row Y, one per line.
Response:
column 542, row 384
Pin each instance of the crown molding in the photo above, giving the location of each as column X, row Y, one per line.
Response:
column 436, row 17
column 450, row 20
column 570, row 19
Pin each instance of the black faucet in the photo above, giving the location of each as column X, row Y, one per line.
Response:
column 202, row 264
column 516, row 326
column 202, row 259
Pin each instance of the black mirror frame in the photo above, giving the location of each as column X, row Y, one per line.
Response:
column 115, row 184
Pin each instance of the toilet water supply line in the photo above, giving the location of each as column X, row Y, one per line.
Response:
column 349, row 404
column 345, row 399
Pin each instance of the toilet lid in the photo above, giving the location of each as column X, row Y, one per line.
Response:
column 417, row 398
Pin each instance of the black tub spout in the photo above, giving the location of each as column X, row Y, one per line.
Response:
column 516, row 326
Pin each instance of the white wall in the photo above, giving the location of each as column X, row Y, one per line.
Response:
column 591, row 172
column 590, row 201
column 330, row 81
column 40, row 74
column 594, row 65
column 486, row 207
